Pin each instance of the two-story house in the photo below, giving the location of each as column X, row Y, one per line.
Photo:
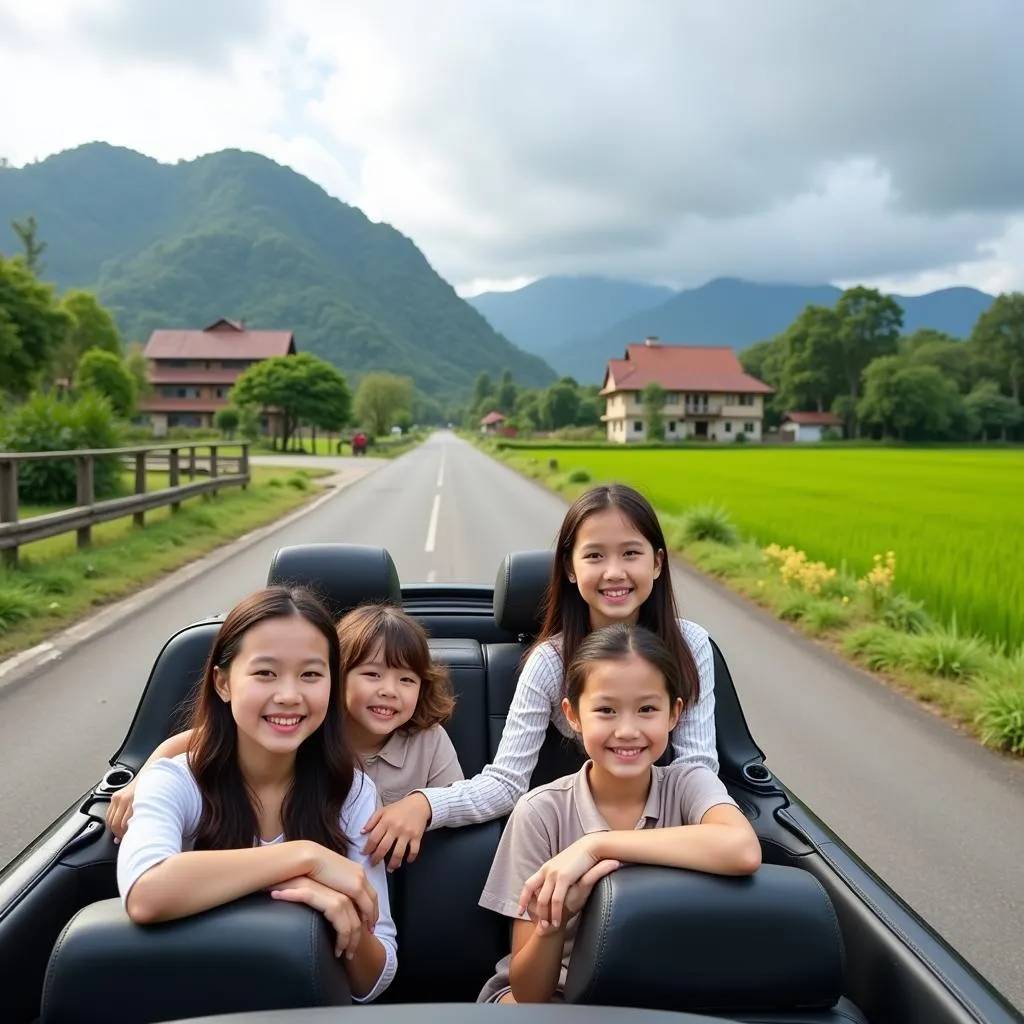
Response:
column 708, row 395
column 192, row 372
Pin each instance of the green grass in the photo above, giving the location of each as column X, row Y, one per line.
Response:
column 56, row 584
column 952, row 516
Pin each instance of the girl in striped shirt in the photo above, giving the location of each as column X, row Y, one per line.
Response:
column 610, row 567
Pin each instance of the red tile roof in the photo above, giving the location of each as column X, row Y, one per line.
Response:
column 492, row 417
column 224, row 339
column 813, row 419
column 705, row 368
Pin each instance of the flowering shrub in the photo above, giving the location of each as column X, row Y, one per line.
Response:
column 797, row 570
column 877, row 582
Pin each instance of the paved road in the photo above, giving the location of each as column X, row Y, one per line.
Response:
column 939, row 818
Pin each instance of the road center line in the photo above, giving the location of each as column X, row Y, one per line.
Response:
column 432, row 529
column 440, row 472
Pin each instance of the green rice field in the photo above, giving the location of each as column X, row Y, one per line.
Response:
column 954, row 517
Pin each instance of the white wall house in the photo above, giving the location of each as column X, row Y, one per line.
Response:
column 807, row 427
column 708, row 395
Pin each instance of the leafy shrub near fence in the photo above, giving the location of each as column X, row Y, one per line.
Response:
column 46, row 423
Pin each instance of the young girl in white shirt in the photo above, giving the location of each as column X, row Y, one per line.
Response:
column 267, row 796
column 624, row 695
column 610, row 567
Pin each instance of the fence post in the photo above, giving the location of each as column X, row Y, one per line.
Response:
column 192, row 463
column 213, row 466
column 139, row 518
column 9, row 505
column 85, row 495
column 174, row 472
column 243, row 464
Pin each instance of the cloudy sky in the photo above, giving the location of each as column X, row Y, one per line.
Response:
column 665, row 140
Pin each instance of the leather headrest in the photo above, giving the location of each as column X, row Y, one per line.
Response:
column 660, row 938
column 520, row 591
column 254, row 954
column 344, row 576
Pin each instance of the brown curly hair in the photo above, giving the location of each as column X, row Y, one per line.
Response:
column 402, row 641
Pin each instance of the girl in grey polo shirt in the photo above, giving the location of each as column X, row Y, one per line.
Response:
column 623, row 698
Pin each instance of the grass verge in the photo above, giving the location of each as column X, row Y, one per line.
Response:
column 963, row 676
column 56, row 584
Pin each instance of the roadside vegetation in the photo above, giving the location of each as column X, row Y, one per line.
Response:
column 56, row 584
column 888, row 557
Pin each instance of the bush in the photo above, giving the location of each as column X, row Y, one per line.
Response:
column 904, row 615
column 708, row 522
column 1000, row 717
column 579, row 476
column 49, row 424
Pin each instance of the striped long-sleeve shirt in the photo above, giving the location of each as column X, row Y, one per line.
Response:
column 538, row 701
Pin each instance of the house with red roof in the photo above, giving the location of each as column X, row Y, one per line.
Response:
column 192, row 372
column 708, row 394
column 809, row 426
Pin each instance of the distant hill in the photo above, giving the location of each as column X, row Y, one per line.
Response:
column 544, row 314
column 725, row 311
column 234, row 234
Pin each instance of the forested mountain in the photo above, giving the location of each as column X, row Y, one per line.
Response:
column 725, row 311
column 236, row 235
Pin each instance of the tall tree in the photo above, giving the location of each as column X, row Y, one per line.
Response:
column 106, row 374
column 92, row 327
column 380, row 398
column 27, row 232
column 505, row 398
column 998, row 337
column 908, row 401
column 993, row 411
column 812, row 367
column 869, row 327
column 653, row 397
column 32, row 327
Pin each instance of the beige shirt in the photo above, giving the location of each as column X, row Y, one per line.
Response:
column 549, row 819
column 411, row 761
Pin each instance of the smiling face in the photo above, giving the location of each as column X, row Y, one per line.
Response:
column 278, row 685
column 614, row 567
column 379, row 698
column 624, row 716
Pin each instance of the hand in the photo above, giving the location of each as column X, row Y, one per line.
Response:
column 120, row 810
column 575, row 898
column 335, row 906
column 549, row 885
column 349, row 879
column 400, row 825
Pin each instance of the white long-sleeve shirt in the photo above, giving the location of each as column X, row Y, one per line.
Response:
column 536, row 702
column 166, row 812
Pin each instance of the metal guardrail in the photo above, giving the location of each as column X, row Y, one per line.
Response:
column 87, row 512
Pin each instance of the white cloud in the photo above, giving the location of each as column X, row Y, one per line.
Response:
column 671, row 139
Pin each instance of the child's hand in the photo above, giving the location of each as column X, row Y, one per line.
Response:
column 335, row 906
column 575, row 898
column 548, row 888
column 349, row 879
column 120, row 810
column 400, row 825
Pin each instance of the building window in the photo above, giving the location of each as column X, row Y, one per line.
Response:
column 730, row 400
column 728, row 427
column 746, row 399
column 672, row 398
column 638, row 425
column 671, row 426
column 750, row 428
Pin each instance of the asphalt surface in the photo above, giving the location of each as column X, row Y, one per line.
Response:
column 938, row 817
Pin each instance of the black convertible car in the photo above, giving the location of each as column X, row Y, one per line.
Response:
column 813, row 938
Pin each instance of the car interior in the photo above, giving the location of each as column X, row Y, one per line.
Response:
column 811, row 938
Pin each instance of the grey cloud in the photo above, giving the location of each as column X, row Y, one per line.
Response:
column 660, row 134
column 200, row 33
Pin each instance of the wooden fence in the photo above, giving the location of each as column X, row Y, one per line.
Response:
column 180, row 459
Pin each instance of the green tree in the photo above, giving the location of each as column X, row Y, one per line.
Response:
column 505, row 397
column 992, row 410
column 998, row 338
column 812, row 370
column 380, row 398
column 301, row 388
column 559, row 405
column 32, row 327
column 137, row 365
column 227, row 420
column 907, row 401
column 953, row 357
column 92, row 327
column 869, row 327
column 653, row 397
column 483, row 390
column 105, row 374
column 27, row 232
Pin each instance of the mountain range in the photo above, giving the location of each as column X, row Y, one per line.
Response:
column 234, row 234
column 578, row 323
